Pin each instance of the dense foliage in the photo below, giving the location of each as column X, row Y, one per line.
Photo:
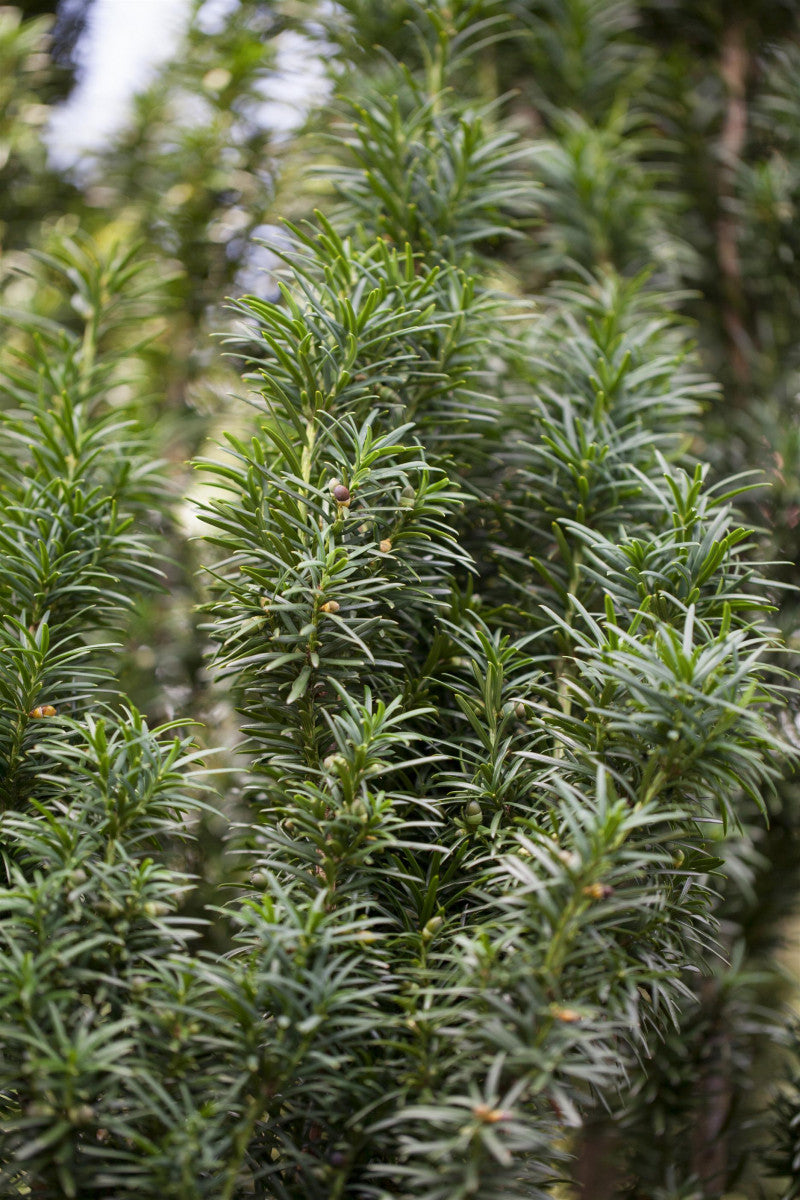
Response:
column 497, row 893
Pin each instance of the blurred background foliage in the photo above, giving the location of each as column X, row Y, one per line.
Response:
column 663, row 135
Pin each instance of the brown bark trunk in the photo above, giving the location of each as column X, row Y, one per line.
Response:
column 734, row 68
column 596, row 1174
column 709, row 1141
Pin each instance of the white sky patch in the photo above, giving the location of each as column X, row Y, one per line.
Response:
column 212, row 14
column 299, row 81
column 125, row 43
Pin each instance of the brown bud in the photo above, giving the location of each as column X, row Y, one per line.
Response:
column 341, row 494
column 598, row 891
column 42, row 710
column 385, row 546
column 568, row 1015
column 330, row 606
column 489, row 1115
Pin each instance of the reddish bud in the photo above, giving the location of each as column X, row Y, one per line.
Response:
column 598, row 891
column 489, row 1116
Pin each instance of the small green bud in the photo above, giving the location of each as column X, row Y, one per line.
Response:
column 473, row 813
column 38, row 1109
column 431, row 928
column 335, row 762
